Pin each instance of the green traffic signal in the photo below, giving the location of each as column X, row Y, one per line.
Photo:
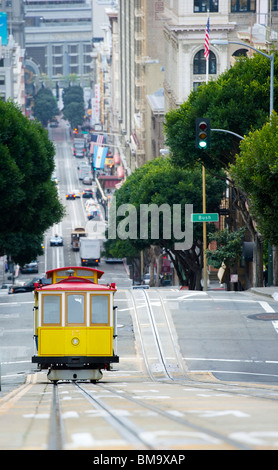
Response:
column 202, row 133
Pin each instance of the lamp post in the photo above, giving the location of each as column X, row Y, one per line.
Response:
column 271, row 94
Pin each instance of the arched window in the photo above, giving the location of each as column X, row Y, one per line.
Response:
column 199, row 63
column 240, row 53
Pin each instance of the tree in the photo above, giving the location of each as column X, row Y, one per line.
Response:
column 72, row 94
column 74, row 113
column 237, row 101
column 255, row 171
column 159, row 182
column 29, row 199
column 228, row 251
column 74, row 109
column 45, row 106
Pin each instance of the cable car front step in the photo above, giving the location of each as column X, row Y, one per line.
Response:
column 74, row 374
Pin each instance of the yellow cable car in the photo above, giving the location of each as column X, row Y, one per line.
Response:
column 75, row 324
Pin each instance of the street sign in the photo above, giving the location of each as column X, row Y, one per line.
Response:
column 204, row 217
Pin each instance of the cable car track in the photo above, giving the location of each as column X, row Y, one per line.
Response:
column 132, row 433
column 159, row 365
column 56, row 434
column 129, row 431
column 150, row 331
column 182, row 377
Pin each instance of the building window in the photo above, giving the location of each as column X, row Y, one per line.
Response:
column 99, row 309
column 239, row 6
column 74, row 69
column 196, row 85
column 57, row 70
column 57, row 50
column 199, row 63
column 274, row 5
column 240, row 53
column 73, row 49
column 200, row 6
column 51, row 308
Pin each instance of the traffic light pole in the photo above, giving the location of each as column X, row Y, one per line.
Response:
column 229, row 132
column 204, row 231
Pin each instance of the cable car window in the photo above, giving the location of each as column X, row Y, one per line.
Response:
column 51, row 307
column 75, row 308
column 99, row 309
column 83, row 273
column 62, row 273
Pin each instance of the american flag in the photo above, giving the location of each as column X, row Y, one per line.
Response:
column 96, row 139
column 206, row 54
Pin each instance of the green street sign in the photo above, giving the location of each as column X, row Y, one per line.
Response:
column 204, row 217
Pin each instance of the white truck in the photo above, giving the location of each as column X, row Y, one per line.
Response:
column 89, row 251
column 84, row 170
column 79, row 149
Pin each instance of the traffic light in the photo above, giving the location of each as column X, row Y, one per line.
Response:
column 202, row 133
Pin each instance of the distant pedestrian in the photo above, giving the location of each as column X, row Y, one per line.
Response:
column 265, row 276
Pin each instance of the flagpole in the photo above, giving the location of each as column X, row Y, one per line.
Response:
column 204, row 171
column 207, row 48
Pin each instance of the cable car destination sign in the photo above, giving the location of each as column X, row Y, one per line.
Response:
column 204, row 217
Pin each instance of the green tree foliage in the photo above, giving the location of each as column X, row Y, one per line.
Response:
column 229, row 248
column 160, row 182
column 72, row 94
column 45, row 106
column 256, row 171
column 29, row 200
column 74, row 108
column 237, row 101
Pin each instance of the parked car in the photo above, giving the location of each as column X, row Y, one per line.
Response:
column 87, row 193
column 55, row 179
column 32, row 267
column 146, row 280
column 28, row 286
column 114, row 260
column 6, row 285
column 70, row 195
column 57, row 240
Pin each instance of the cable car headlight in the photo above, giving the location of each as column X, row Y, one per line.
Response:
column 75, row 341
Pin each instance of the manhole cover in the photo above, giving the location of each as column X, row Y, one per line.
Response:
column 264, row 316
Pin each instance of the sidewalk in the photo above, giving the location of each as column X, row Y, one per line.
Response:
column 271, row 292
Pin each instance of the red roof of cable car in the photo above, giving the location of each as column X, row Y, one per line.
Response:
column 77, row 283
